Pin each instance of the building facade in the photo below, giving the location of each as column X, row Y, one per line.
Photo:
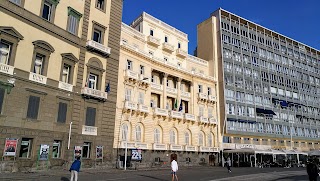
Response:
column 59, row 60
column 268, row 87
column 166, row 104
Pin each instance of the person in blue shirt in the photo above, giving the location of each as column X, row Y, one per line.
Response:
column 75, row 169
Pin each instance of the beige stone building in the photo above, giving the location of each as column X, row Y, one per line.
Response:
column 57, row 58
column 166, row 104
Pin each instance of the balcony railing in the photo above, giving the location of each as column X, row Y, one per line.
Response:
column 131, row 75
column 203, row 96
column 130, row 105
column 203, row 120
column 213, row 121
column 176, row 114
column 86, row 91
column 141, row 145
column 176, row 147
column 181, row 53
column 159, row 146
column 214, row 149
column 204, row 149
column 153, row 40
column 190, row 117
column 7, row 69
column 168, row 47
column 99, row 47
column 212, row 98
column 161, row 112
column 38, row 78
column 172, row 90
column 89, row 130
column 156, row 86
column 128, row 144
column 190, row 148
column 185, row 94
column 143, row 108
column 65, row 86
column 144, row 79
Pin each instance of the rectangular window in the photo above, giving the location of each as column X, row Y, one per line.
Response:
column 129, row 64
column 66, row 73
column 25, row 148
column 151, row 32
column 97, row 34
column 141, row 69
column 209, row 90
column 47, row 11
column 100, row 4
column 166, row 39
column 18, row 2
column 93, row 81
column 90, row 116
column 210, row 112
column 5, row 49
column 38, row 64
column 141, row 98
column 128, row 95
column 152, row 79
column 2, row 93
column 73, row 21
column 33, row 107
column 86, row 150
column 200, row 111
column 56, row 149
column 200, row 88
column 62, row 112
column 179, row 45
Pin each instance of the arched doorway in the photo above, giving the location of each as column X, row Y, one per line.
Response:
column 173, row 156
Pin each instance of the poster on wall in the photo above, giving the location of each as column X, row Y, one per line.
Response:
column 44, row 152
column 10, row 147
column 77, row 151
column 99, row 152
column 136, row 155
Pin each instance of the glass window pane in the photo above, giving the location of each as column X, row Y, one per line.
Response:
column 46, row 12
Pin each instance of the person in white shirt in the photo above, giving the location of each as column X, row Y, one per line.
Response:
column 174, row 169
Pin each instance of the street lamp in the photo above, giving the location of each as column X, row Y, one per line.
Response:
column 126, row 149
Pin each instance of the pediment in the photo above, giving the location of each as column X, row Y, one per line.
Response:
column 70, row 56
column 10, row 31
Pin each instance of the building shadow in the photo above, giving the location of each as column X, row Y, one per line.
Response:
column 64, row 179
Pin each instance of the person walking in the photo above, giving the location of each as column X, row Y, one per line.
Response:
column 75, row 169
column 228, row 164
column 312, row 170
column 174, row 169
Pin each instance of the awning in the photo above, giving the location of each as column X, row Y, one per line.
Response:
column 249, row 150
column 265, row 111
column 283, row 103
column 300, row 152
column 289, row 152
column 277, row 152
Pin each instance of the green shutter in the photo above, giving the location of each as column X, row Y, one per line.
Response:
column 74, row 13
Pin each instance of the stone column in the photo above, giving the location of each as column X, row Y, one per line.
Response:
column 192, row 98
column 179, row 91
column 164, row 82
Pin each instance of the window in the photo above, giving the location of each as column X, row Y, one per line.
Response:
column 47, row 11
column 128, row 95
column 41, row 54
column 200, row 88
column 90, row 116
column 209, row 90
column 166, row 39
column 124, row 133
column 93, row 81
column 187, row 138
column 179, row 45
column 210, row 140
column 66, row 73
column 62, row 112
column 200, row 139
column 200, row 111
column 210, row 112
column 2, row 94
column 129, row 64
column 141, row 98
column 152, row 104
column 38, row 64
column 17, row 2
column 151, row 32
column 165, row 59
column 172, row 137
column 56, row 149
column 5, row 49
column 138, row 134
column 100, row 4
column 25, row 148
column 73, row 21
column 33, row 107
column 98, row 33
column 157, row 135
column 86, row 150
column 141, row 69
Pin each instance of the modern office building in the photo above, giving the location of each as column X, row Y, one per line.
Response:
column 166, row 104
column 57, row 58
column 268, row 84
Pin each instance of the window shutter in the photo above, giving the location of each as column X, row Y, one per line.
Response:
column 33, row 107
column 90, row 116
column 2, row 91
column 62, row 112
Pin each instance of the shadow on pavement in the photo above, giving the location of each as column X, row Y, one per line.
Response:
column 152, row 177
column 293, row 178
column 64, row 179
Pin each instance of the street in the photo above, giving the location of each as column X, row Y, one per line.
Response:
column 184, row 174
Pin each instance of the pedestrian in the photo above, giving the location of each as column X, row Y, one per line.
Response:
column 174, row 169
column 228, row 164
column 312, row 170
column 75, row 169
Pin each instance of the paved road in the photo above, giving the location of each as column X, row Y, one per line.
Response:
column 185, row 174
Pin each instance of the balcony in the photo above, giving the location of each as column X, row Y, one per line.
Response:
column 88, row 92
column 213, row 121
column 65, row 86
column 128, row 144
column 190, row 148
column 89, row 130
column 185, row 94
column 190, row 117
column 159, row 146
column 181, row 53
column 204, row 149
column 143, row 108
column 168, row 47
column 203, row 120
column 176, row 114
column 141, row 146
column 128, row 105
column 38, row 78
column 131, row 75
column 214, row 149
column 153, row 41
column 212, row 98
column 202, row 96
column 7, row 69
column 156, row 86
column 144, row 80
column 172, row 90
column 176, row 147
column 160, row 112
column 98, row 47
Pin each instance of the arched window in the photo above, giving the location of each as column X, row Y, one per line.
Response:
column 187, row 138
column 172, row 137
column 157, row 135
column 210, row 140
column 138, row 133
column 200, row 139
column 124, row 135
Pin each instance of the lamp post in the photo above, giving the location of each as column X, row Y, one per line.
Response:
column 126, row 148
column 69, row 135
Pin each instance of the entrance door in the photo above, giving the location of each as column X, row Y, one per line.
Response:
column 173, row 156
column 211, row 160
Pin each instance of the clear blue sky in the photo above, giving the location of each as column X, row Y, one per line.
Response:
column 297, row 19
